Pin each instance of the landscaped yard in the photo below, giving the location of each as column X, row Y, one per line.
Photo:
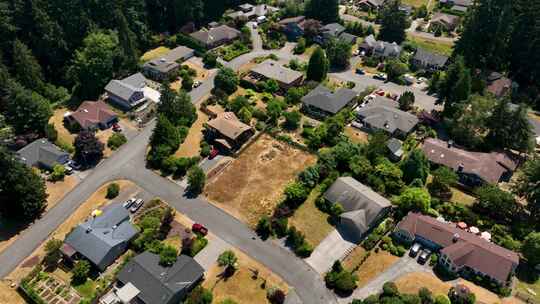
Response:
column 458, row 196
column 412, row 282
column 418, row 3
column 356, row 135
column 229, row 52
column 65, row 138
column 311, row 221
column 243, row 287
column 436, row 46
column 252, row 185
column 155, row 53
column 528, row 281
column 374, row 265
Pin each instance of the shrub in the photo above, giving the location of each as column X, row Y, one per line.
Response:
column 167, row 255
column 279, row 226
column 112, row 191
column 433, row 259
column 292, row 120
column 52, row 252
column 196, row 180
column 80, row 272
column 116, row 140
column 51, row 133
column 199, row 295
column 390, row 289
column 59, row 172
column 205, row 149
column 264, row 227
column 275, row 296
column 227, row 258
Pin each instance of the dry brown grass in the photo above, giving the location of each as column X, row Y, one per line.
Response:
column 64, row 136
column 191, row 145
column 482, row 295
column 103, row 136
column 9, row 295
column 202, row 73
column 356, row 135
column 311, row 221
column 354, row 258
column 95, row 201
column 241, row 287
column 252, row 185
column 375, row 264
column 412, row 282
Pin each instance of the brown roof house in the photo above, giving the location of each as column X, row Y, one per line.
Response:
column 461, row 252
column 164, row 67
column 473, row 168
column 91, row 115
column 498, row 85
column 228, row 132
column 215, row 36
column 447, row 21
column 270, row 69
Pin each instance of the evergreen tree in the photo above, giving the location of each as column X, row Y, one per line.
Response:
column 339, row 53
column 406, row 100
column 326, row 11
column 317, row 66
column 27, row 111
column 226, row 80
column 455, row 86
column 415, row 166
column 22, row 191
column 528, row 186
column 26, row 68
column 177, row 107
column 165, row 134
column 487, row 30
column 393, row 22
column 127, row 42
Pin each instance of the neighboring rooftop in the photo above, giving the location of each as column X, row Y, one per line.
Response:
column 229, row 125
column 273, row 70
column 42, row 152
column 427, row 58
column 488, row 166
column 158, row 284
column 463, row 248
column 321, row 97
column 219, row 33
column 333, row 29
column 90, row 113
column 448, row 19
column 169, row 62
column 387, row 118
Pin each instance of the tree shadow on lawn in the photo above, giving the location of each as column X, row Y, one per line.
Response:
column 526, row 273
column 10, row 227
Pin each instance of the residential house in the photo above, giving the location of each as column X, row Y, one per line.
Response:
column 458, row 5
column 151, row 283
column 363, row 207
column 379, row 49
column 216, row 36
column 429, row 61
column 248, row 12
column 473, row 168
column 349, row 38
column 270, row 69
column 164, row 67
column 228, row 132
column 329, row 31
column 387, row 117
column 369, row 5
column 461, row 252
column 293, row 27
column 395, row 149
column 42, row 153
column 498, row 85
column 446, row 21
column 92, row 115
column 131, row 92
column 102, row 238
column 322, row 102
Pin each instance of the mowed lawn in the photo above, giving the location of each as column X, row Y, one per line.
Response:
column 417, row 3
column 155, row 53
column 252, row 185
column 436, row 46
column 311, row 221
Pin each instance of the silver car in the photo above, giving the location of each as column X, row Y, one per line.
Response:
column 138, row 204
column 414, row 250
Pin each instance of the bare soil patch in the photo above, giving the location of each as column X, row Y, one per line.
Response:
column 252, row 185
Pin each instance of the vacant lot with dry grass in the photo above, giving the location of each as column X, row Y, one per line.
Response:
column 374, row 265
column 252, row 185
column 191, row 145
column 243, row 287
column 412, row 282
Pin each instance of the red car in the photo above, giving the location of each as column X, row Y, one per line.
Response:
column 116, row 127
column 379, row 92
column 199, row 228
column 213, row 153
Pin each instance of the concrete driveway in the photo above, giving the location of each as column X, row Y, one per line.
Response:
column 209, row 255
column 332, row 248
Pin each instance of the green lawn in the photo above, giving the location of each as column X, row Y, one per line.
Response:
column 444, row 48
column 417, row 3
column 155, row 53
column 459, row 196
column 87, row 289
column 528, row 280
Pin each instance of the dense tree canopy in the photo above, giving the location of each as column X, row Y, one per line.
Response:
column 393, row 22
column 326, row 11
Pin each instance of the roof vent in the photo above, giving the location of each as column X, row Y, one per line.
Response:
column 455, row 238
column 85, row 110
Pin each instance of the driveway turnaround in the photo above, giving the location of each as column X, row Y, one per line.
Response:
column 332, row 248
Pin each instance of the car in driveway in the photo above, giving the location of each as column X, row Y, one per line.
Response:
column 197, row 84
column 127, row 204
column 380, row 76
column 414, row 250
column 360, row 71
column 116, row 127
column 138, row 204
column 424, row 256
column 74, row 165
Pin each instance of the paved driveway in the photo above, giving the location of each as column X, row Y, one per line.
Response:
column 332, row 248
column 209, row 255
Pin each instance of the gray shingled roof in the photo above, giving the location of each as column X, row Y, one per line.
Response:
column 388, row 118
column 41, row 152
column 321, row 97
column 215, row 34
column 429, row 58
column 97, row 236
column 158, row 284
column 395, row 146
column 349, row 38
column 333, row 29
column 362, row 205
column 126, row 87
column 273, row 70
column 168, row 62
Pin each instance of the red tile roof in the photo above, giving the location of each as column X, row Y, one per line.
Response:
column 462, row 247
column 91, row 113
column 488, row 166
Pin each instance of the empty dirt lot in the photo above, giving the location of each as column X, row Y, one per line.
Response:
column 252, row 185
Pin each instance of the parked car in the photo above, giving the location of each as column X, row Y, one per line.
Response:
column 138, row 204
column 356, row 53
column 414, row 250
column 380, row 92
column 116, row 127
column 74, row 165
column 213, row 153
column 197, row 84
column 424, row 256
column 409, row 79
column 127, row 204
column 360, row 71
column 68, row 170
column 199, row 228
column 381, row 76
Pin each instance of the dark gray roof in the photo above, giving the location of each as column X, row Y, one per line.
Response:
column 98, row 235
column 333, row 29
column 429, row 58
column 321, row 97
column 41, row 152
column 126, row 87
column 273, row 70
column 158, row 284
column 388, row 118
column 350, row 38
column 362, row 205
column 395, row 146
column 169, row 62
column 222, row 32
